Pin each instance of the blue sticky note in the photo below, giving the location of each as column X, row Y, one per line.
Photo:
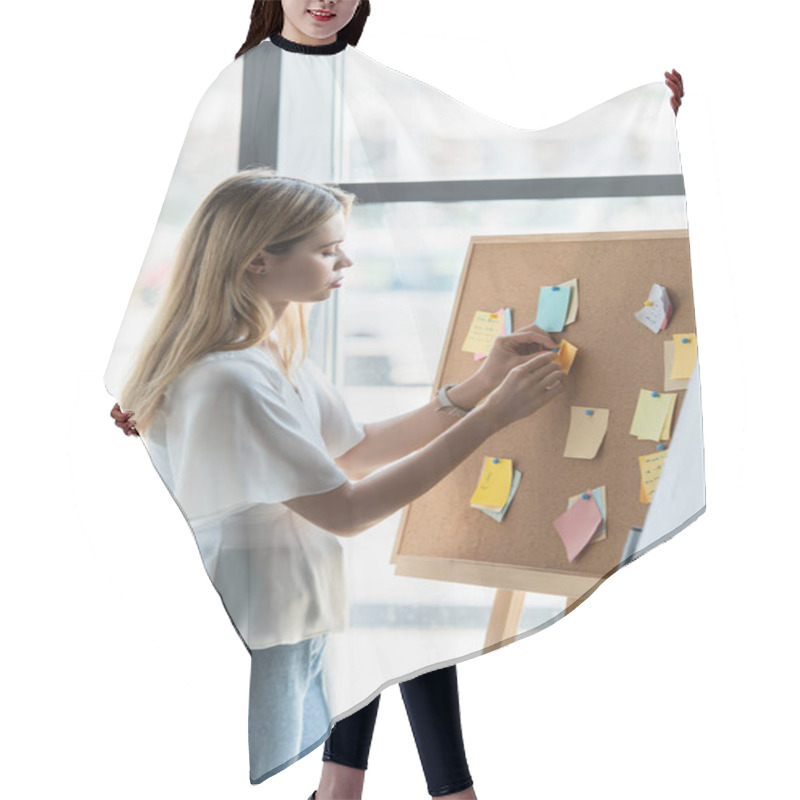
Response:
column 551, row 315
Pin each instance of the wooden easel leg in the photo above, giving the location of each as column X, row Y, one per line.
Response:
column 506, row 615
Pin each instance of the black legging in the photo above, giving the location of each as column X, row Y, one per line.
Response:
column 431, row 702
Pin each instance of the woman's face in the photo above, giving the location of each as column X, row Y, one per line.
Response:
column 309, row 271
column 316, row 22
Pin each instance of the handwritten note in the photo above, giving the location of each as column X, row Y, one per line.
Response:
column 587, row 429
column 485, row 328
column 498, row 516
column 494, row 484
column 650, row 467
column 551, row 314
column 505, row 315
column 656, row 311
column 685, row 355
column 578, row 524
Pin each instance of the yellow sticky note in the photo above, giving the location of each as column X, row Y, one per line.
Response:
column 572, row 312
column 651, row 414
column 685, row 355
column 670, row 384
column 566, row 355
column 494, row 485
column 486, row 327
column 587, row 429
column 650, row 467
column 666, row 431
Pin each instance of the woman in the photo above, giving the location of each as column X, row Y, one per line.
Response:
column 259, row 450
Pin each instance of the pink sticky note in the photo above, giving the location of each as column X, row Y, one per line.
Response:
column 578, row 524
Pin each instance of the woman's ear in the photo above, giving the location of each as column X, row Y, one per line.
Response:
column 258, row 265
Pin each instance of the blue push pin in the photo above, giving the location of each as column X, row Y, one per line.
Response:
column 554, row 350
column 589, row 412
column 495, row 461
column 660, row 447
column 555, row 288
column 585, row 496
column 653, row 394
column 685, row 340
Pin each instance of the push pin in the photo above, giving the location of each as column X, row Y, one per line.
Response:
column 653, row 394
column 648, row 302
column 555, row 288
column 585, row 496
column 684, row 340
column 495, row 461
column 661, row 447
column 589, row 412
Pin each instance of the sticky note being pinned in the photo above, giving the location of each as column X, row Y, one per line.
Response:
column 685, row 355
column 505, row 315
column 566, row 355
column 653, row 413
column 578, row 524
column 485, row 328
column 600, row 498
column 587, row 429
column 497, row 516
column 657, row 309
column 650, row 467
column 551, row 314
column 494, row 484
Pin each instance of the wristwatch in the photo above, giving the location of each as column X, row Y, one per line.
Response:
column 447, row 405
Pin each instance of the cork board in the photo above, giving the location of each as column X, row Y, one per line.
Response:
column 440, row 535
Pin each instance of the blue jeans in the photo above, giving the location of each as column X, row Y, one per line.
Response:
column 288, row 712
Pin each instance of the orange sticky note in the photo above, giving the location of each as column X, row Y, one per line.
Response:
column 566, row 355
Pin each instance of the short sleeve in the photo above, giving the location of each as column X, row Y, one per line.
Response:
column 233, row 442
column 340, row 431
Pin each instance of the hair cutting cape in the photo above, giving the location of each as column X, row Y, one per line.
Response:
column 445, row 195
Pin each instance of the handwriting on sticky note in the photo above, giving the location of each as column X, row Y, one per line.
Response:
column 485, row 328
column 504, row 329
column 657, row 309
column 587, row 429
column 578, row 524
column 650, row 416
column 650, row 467
column 498, row 516
column 494, row 484
column 566, row 355
column 551, row 314
column 685, row 355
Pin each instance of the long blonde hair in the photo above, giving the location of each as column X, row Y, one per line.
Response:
column 210, row 303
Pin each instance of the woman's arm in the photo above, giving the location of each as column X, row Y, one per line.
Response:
column 353, row 507
column 391, row 439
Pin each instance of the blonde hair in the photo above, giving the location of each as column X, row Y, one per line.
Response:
column 210, row 303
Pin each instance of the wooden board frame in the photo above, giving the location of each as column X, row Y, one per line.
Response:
column 440, row 537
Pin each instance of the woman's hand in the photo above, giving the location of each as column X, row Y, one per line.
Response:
column 512, row 350
column 124, row 420
column 675, row 82
column 525, row 389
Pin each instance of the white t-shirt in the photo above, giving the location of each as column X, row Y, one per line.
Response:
column 233, row 440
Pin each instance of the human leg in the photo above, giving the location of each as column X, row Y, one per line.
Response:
column 434, row 713
column 346, row 754
column 285, row 696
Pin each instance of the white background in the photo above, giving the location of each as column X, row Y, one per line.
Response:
column 122, row 678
